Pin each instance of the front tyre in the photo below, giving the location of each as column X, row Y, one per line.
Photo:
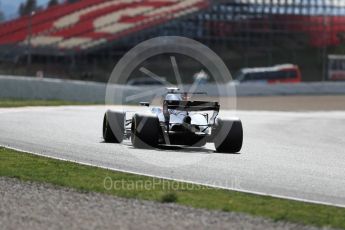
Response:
column 229, row 135
column 113, row 126
column 145, row 131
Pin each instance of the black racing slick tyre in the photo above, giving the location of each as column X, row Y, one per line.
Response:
column 145, row 131
column 113, row 126
column 229, row 135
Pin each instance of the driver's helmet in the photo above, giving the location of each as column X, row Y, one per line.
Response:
column 173, row 97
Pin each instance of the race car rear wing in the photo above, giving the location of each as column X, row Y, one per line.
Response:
column 190, row 105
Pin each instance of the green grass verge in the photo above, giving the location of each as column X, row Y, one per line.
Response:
column 28, row 167
column 8, row 103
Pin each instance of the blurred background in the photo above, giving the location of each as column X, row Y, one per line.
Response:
column 291, row 40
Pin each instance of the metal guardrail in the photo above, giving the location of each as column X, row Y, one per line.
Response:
column 33, row 88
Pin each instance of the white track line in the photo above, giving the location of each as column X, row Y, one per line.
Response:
column 186, row 181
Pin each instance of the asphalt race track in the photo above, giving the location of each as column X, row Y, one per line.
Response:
column 299, row 155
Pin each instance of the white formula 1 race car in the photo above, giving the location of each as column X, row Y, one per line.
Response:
column 179, row 122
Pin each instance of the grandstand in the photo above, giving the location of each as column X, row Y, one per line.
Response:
column 243, row 32
column 89, row 23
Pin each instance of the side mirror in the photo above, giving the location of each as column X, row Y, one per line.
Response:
column 147, row 104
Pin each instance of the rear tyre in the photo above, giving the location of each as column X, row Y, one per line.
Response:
column 228, row 136
column 113, row 126
column 145, row 131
